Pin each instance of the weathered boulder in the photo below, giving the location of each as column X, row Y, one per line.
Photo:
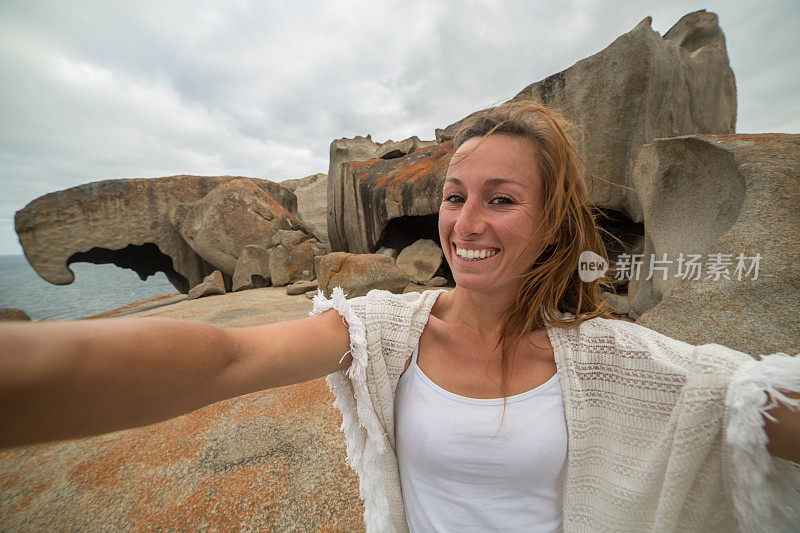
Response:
column 437, row 281
column 388, row 252
column 124, row 222
column 371, row 193
column 421, row 260
column 312, row 204
column 617, row 303
column 716, row 197
column 212, row 284
column 301, row 287
column 292, row 257
column 233, row 215
column 352, row 150
column 357, row 274
column 415, row 287
column 12, row 313
column 652, row 87
column 252, row 268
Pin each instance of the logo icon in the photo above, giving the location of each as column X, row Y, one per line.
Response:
column 591, row 266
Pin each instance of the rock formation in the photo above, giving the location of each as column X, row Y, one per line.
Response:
column 719, row 196
column 352, row 150
column 211, row 285
column 233, row 215
column 125, row 222
column 641, row 87
column 12, row 313
column 373, row 192
column 388, row 252
column 312, row 204
column 387, row 194
column 421, row 260
column 436, row 281
column 252, row 268
column 291, row 257
column 653, row 87
column 301, row 287
column 357, row 274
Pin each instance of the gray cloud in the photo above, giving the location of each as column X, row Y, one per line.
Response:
column 94, row 90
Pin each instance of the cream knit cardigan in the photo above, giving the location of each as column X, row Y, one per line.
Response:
column 662, row 435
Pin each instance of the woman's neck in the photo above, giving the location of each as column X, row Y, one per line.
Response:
column 480, row 312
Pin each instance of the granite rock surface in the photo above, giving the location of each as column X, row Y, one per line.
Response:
column 731, row 201
column 233, row 215
column 643, row 86
column 357, row 274
column 252, row 268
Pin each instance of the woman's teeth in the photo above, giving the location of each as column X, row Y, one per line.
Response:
column 474, row 255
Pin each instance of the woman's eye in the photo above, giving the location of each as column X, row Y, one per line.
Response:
column 453, row 198
column 501, row 200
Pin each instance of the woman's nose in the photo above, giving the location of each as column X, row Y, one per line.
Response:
column 471, row 219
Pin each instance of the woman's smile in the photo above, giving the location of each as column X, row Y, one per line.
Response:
column 473, row 254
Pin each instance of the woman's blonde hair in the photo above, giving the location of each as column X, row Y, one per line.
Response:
column 551, row 288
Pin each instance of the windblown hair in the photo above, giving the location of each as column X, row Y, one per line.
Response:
column 551, row 288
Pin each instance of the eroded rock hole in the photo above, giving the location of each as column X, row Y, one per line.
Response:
column 404, row 231
column 394, row 154
column 620, row 235
column 258, row 281
column 145, row 259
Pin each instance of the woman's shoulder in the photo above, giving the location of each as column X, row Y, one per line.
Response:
column 385, row 305
column 624, row 343
column 381, row 313
column 638, row 345
column 623, row 334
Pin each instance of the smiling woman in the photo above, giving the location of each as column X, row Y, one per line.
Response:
column 515, row 179
column 510, row 403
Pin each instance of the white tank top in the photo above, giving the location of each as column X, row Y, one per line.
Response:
column 461, row 471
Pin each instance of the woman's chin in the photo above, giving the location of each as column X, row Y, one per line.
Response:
column 485, row 283
column 474, row 283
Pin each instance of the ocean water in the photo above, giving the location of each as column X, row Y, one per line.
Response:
column 96, row 288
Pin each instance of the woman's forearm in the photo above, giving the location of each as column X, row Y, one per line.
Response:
column 66, row 380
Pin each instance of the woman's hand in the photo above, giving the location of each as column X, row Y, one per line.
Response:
column 784, row 435
column 68, row 380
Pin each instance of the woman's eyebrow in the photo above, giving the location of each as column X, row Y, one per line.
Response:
column 491, row 182
column 502, row 181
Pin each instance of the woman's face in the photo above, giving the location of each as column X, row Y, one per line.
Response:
column 491, row 212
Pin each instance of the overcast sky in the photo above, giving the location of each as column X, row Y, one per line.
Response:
column 106, row 89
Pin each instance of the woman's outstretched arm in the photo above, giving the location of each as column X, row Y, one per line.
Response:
column 68, row 380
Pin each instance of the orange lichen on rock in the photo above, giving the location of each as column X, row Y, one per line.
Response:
column 271, row 460
column 247, row 497
column 29, row 496
column 304, row 399
column 417, row 170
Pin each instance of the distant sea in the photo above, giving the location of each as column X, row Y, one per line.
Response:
column 96, row 288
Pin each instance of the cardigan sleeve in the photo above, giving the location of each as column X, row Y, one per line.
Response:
column 688, row 417
column 364, row 436
column 764, row 490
